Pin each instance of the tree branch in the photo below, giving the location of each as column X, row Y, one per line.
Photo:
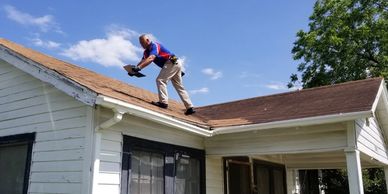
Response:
column 369, row 57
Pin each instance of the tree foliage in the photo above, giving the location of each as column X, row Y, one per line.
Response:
column 347, row 40
column 336, row 181
column 374, row 181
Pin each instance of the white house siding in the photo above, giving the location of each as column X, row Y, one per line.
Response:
column 109, row 176
column 62, row 141
column 370, row 139
column 308, row 139
column 214, row 175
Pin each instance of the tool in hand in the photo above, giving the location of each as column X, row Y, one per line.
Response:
column 133, row 70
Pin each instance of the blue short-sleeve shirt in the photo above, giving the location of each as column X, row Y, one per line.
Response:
column 160, row 52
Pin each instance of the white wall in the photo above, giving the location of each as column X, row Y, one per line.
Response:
column 109, row 177
column 307, row 139
column 370, row 139
column 61, row 152
column 214, row 175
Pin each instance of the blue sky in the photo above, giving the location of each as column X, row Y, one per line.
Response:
column 231, row 49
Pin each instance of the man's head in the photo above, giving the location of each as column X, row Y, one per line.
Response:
column 144, row 41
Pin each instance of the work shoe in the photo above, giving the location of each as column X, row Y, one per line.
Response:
column 190, row 111
column 160, row 104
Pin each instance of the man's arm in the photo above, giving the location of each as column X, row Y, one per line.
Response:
column 145, row 62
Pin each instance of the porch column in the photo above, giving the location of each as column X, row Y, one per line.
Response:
column 354, row 171
column 96, row 162
column 386, row 176
column 292, row 181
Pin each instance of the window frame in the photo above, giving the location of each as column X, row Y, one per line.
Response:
column 168, row 150
column 271, row 167
column 28, row 138
column 253, row 163
column 235, row 159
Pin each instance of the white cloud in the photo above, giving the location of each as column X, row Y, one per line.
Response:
column 295, row 88
column 276, row 86
column 212, row 73
column 117, row 30
column 280, row 86
column 44, row 23
column 45, row 43
column 114, row 50
column 182, row 60
column 203, row 90
column 153, row 38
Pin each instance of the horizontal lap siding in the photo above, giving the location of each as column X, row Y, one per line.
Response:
column 370, row 139
column 28, row 105
column 109, row 178
column 274, row 141
column 214, row 175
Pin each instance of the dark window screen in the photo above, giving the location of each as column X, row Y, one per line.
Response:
column 239, row 178
column 12, row 166
column 150, row 167
column 147, row 173
column 187, row 178
column 15, row 161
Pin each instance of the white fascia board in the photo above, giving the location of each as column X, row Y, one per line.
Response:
column 47, row 75
column 384, row 95
column 295, row 122
column 383, row 106
column 112, row 103
column 379, row 95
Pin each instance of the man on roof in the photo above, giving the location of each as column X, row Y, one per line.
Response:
column 171, row 69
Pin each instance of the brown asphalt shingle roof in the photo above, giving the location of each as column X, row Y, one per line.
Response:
column 355, row 96
column 101, row 84
column 341, row 98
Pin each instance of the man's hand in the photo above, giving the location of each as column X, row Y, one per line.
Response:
column 136, row 69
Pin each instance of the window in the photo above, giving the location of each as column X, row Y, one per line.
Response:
column 269, row 178
column 147, row 173
column 15, row 159
column 157, row 168
column 246, row 176
column 238, row 175
column 187, row 179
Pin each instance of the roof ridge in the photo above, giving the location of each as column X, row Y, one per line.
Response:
column 296, row 91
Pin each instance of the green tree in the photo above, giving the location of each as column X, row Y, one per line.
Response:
column 347, row 40
column 374, row 182
column 336, row 181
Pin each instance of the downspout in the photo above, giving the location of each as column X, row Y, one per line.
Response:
column 117, row 117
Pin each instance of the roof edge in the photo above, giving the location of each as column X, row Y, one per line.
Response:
column 383, row 104
column 294, row 91
column 50, row 76
column 379, row 94
column 295, row 122
column 113, row 103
